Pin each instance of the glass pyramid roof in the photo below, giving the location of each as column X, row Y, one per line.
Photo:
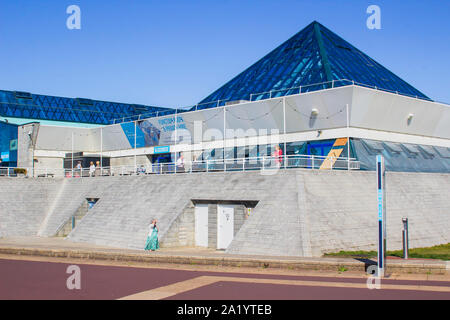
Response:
column 312, row 56
column 19, row 104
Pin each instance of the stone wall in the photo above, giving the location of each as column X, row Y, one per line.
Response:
column 299, row 212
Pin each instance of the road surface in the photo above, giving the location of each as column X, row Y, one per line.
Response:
column 22, row 278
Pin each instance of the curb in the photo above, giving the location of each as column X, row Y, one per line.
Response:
column 435, row 267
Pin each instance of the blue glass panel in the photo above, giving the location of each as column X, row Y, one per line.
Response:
column 8, row 144
column 41, row 107
column 314, row 55
column 400, row 156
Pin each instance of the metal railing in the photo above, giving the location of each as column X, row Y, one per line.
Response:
column 213, row 165
column 263, row 96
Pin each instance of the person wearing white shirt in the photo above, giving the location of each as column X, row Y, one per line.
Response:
column 92, row 169
column 180, row 163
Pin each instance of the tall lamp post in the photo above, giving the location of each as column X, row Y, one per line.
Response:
column 30, row 135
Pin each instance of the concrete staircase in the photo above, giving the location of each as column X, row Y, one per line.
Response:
column 73, row 221
column 72, row 193
column 299, row 212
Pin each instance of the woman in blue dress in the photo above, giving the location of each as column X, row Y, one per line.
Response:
column 152, row 238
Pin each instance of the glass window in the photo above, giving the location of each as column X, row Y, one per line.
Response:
column 426, row 151
column 393, row 147
column 443, row 152
column 411, row 150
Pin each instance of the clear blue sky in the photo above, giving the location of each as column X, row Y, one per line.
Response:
column 174, row 53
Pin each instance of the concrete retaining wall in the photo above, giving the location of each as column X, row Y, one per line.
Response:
column 299, row 212
column 23, row 204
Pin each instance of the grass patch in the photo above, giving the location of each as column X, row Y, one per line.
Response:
column 342, row 269
column 352, row 254
column 439, row 252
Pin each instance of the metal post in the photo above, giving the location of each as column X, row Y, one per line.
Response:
column 135, row 160
column 101, row 151
column 176, row 138
column 284, row 128
column 72, row 155
column 405, row 238
column 224, row 131
column 348, row 139
column 381, row 196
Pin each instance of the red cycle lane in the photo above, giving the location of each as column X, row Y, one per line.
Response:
column 22, row 279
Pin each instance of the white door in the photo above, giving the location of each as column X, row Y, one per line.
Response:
column 201, row 225
column 225, row 225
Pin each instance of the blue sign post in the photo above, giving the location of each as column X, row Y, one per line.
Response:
column 381, row 174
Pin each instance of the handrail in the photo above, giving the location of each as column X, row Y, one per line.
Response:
column 205, row 165
column 62, row 224
column 216, row 103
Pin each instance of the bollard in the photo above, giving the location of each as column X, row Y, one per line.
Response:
column 405, row 238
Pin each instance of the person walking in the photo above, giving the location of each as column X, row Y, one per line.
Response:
column 152, row 237
column 78, row 170
column 277, row 155
column 180, row 163
column 97, row 169
column 92, row 169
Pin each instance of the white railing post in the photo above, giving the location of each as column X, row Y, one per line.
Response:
column 313, row 162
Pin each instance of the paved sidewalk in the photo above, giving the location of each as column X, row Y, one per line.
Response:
column 61, row 248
